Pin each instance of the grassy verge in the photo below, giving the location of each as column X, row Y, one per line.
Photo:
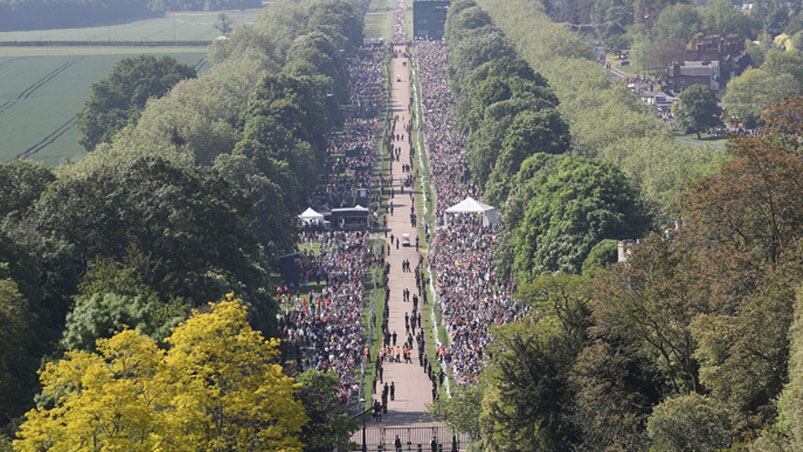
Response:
column 628, row 70
column 373, row 311
column 372, row 319
column 690, row 139
column 423, row 186
column 379, row 20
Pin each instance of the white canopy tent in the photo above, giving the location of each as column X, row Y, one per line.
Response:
column 310, row 216
column 490, row 216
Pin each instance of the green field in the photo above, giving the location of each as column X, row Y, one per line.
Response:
column 42, row 88
column 188, row 26
column 379, row 19
column 690, row 139
column 40, row 96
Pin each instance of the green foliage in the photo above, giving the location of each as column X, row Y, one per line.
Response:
column 102, row 315
column 525, row 395
column 21, row 184
column 216, row 387
column 188, row 225
column 720, row 17
column 18, row 362
column 689, row 422
column 601, row 255
column 329, row 424
column 606, row 121
column 743, row 357
column 677, row 22
column 696, row 109
column 780, row 62
column 462, row 410
column 756, row 89
column 571, row 208
column 651, row 302
column 616, row 388
column 790, row 404
column 119, row 98
column 691, row 344
column 5, row 444
column 526, row 400
column 530, row 132
column 114, row 297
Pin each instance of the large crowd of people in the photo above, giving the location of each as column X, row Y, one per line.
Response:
column 352, row 148
column 470, row 296
column 322, row 330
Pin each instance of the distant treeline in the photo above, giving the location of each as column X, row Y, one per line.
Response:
column 104, row 43
column 43, row 14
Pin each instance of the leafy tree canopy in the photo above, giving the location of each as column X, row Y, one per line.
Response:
column 696, row 109
column 601, row 255
column 572, row 208
column 216, row 387
column 689, row 422
column 21, row 184
column 530, row 132
column 330, row 425
column 755, row 90
column 118, row 99
column 187, row 226
column 18, row 361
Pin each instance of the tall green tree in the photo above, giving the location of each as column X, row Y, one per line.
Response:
column 576, row 205
column 530, row 132
column 722, row 18
column 118, row 99
column 527, row 403
column 650, row 303
column 697, row 110
column 780, row 62
column 186, row 231
column 790, row 403
column 329, row 425
column 21, row 184
column 689, row 422
column 756, row 89
column 18, row 356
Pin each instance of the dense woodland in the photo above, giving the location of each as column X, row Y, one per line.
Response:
column 108, row 265
column 191, row 202
column 606, row 121
column 694, row 342
column 40, row 14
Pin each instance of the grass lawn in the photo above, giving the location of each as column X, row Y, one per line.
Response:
column 629, row 70
column 379, row 20
column 433, row 319
column 40, row 96
column 58, row 51
column 690, row 139
column 374, row 309
column 186, row 26
column 372, row 316
column 379, row 25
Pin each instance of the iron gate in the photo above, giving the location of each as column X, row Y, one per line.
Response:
column 413, row 439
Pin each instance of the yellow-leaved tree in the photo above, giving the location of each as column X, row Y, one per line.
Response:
column 217, row 387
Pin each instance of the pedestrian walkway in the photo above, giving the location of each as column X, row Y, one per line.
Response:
column 412, row 386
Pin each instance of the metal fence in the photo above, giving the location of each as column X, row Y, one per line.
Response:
column 413, row 439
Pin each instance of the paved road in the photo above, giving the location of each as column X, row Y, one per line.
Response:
column 413, row 388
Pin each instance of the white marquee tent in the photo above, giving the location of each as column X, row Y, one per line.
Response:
column 310, row 216
column 490, row 216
